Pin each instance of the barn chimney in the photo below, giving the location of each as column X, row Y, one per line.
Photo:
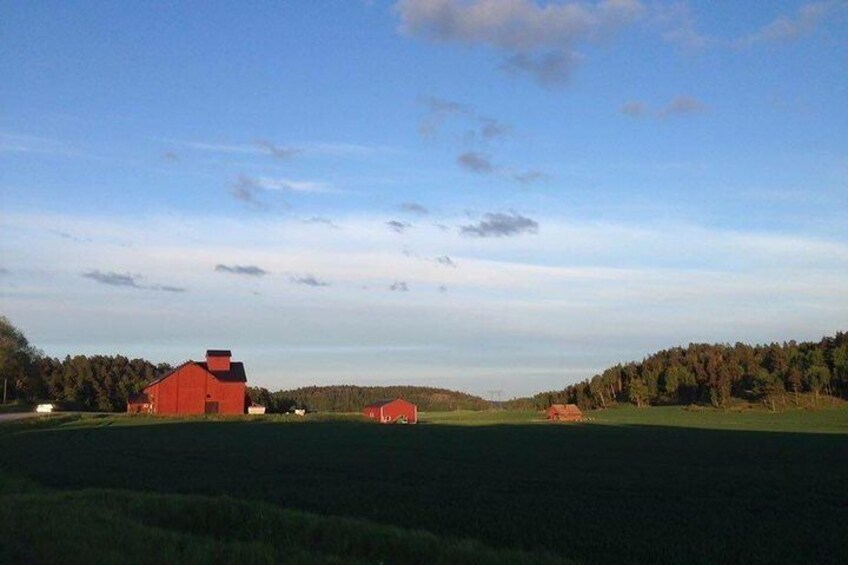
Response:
column 218, row 359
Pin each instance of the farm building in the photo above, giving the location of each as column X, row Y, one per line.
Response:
column 392, row 411
column 564, row 413
column 217, row 386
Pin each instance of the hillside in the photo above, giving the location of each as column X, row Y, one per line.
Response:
column 776, row 374
column 351, row 398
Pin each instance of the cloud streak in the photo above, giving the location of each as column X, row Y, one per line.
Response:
column 250, row 189
column 501, row 225
column 683, row 105
column 634, row 109
column 439, row 111
column 785, row 28
column 550, row 70
column 292, row 185
column 127, row 280
column 399, row 286
column 475, row 162
column 413, row 208
column 681, row 27
column 398, row 226
column 278, row 152
column 247, row 270
column 308, row 280
column 114, row 279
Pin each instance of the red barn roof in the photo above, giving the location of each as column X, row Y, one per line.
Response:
column 568, row 412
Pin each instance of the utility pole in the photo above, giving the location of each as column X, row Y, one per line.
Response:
column 492, row 394
column 4, row 389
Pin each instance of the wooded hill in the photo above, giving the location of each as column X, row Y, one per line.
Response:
column 103, row 383
column 350, row 398
column 97, row 383
column 713, row 374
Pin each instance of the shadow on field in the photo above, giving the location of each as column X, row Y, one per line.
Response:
column 594, row 493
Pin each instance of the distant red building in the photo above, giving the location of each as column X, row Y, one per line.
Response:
column 217, row 386
column 564, row 413
column 392, row 411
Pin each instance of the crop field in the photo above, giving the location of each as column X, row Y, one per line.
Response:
column 659, row 485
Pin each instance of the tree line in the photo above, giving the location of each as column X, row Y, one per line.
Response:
column 104, row 383
column 713, row 374
column 700, row 373
column 97, row 383
column 351, row 398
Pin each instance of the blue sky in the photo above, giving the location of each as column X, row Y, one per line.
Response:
column 481, row 194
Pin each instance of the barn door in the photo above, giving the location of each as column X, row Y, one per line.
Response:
column 211, row 407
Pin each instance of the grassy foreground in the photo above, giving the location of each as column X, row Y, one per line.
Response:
column 113, row 526
column 660, row 485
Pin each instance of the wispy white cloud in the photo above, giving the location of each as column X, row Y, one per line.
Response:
column 683, row 105
column 288, row 150
column 32, row 144
column 680, row 26
column 789, row 28
column 250, row 190
column 269, row 183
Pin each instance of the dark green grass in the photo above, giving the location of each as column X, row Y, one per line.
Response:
column 596, row 493
column 109, row 526
column 833, row 419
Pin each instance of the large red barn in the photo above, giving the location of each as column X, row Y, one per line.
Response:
column 392, row 411
column 217, row 386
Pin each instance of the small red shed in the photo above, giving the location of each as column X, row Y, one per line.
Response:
column 217, row 386
column 397, row 411
column 564, row 413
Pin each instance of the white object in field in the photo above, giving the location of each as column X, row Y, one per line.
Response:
column 44, row 408
column 300, row 411
column 255, row 409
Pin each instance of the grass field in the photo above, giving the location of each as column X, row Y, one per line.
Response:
column 660, row 485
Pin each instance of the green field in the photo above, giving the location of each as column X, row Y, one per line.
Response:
column 660, row 485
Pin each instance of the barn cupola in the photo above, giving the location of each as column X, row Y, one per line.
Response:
column 218, row 359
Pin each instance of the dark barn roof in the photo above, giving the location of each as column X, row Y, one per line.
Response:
column 380, row 403
column 219, row 353
column 236, row 373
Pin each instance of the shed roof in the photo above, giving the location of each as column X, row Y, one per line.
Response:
column 380, row 403
column 565, row 409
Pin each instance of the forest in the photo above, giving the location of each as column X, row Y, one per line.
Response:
column 711, row 374
column 350, row 398
column 97, row 383
column 774, row 374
